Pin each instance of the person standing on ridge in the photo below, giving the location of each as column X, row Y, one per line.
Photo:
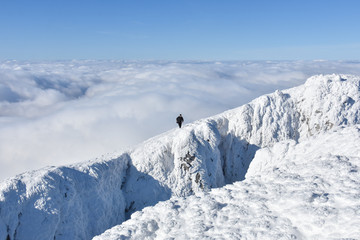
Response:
column 179, row 120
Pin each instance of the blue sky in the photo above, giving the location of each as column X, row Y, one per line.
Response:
column 176, row 30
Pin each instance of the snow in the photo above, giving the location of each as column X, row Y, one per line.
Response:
column 291, row 191
column 72, row 202
column 284, row 166
column 319, row 180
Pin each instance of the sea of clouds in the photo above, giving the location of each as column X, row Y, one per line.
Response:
column 61, row 112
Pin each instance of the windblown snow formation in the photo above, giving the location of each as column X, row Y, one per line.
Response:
column 84, row 200
column 306, row 190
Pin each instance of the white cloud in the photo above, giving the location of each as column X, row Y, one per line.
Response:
column 54, row 113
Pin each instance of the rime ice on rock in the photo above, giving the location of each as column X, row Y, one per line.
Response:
column 86, row 199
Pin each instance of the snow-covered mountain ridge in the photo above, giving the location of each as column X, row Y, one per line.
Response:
column 83, row 200
column 306, row 190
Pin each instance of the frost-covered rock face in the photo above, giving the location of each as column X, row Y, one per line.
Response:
column 75, row 202
column 78, row 202
column 327, row 101
column 322, row 103
column 306, row 190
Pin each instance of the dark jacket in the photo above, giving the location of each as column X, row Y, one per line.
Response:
column 179, row 119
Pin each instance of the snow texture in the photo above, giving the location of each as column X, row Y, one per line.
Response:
column 292, row 191
column 74, row 202
column 290, row 160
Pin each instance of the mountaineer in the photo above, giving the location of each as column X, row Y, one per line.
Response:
column 179, row 120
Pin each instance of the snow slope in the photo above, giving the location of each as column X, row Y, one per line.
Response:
column 309, row 190
column 73, row 202
column 86, row 199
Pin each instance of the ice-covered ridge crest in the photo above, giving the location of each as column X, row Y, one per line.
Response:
column 202, row 155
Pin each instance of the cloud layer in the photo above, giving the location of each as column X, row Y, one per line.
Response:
column 54, row 113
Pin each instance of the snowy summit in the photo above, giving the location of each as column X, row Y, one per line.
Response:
column 284, row 166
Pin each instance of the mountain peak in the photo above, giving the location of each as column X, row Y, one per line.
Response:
column 209, row 153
